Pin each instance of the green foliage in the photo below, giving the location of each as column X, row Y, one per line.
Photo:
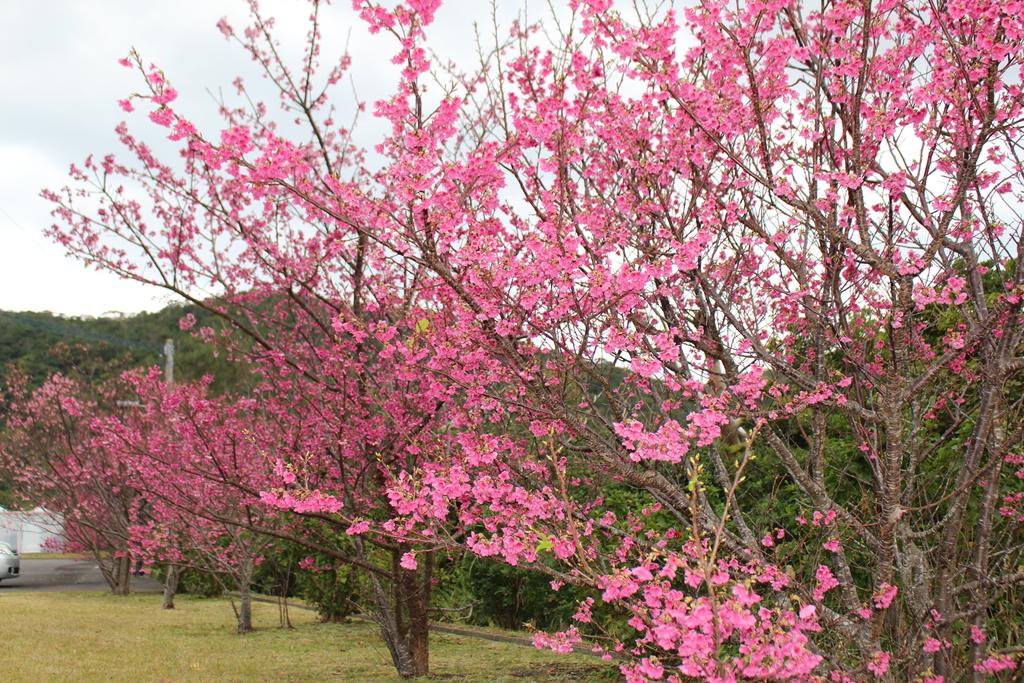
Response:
column 96, row 349
column 490, row 593
column 276, row 574
column 6, row 493
column 335, row 591
column 200, row 583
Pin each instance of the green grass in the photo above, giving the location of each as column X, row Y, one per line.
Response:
column 55, row 556
column 98, row 637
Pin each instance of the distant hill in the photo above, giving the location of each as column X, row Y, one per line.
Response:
column 95, row 349
column 41, row 344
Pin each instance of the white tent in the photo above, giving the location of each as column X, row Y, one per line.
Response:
column 33, row 531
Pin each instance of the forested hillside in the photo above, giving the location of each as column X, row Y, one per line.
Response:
column 41, row 344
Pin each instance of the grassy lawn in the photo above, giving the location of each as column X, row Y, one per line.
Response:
column 98, row 637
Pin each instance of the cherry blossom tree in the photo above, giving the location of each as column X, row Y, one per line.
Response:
column 192, row 459
column 327, row 318
column 56, row 459
column 783, row 250
column 241, row 471
column 755, row 262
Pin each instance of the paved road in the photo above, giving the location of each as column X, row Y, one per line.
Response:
column 67, row 575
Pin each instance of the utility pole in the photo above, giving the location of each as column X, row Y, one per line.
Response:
column 169, row 361
column 173, row 571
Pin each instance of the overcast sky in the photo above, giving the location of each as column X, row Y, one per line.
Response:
column 59, row 86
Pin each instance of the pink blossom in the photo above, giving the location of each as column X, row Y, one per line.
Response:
column 357, row 528
column 884, row 596
column 995, row 664
column 825, row 582
column 408, row 561
column 879, row 663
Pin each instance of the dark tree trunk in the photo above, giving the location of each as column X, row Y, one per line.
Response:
column 386, row 618
column 412, row 599
column 245, row 600
column 402, row 616
column 120, row 575
column 416, row 603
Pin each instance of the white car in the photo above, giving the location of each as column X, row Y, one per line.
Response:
column 10, row 562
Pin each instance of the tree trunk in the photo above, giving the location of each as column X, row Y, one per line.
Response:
column 412, row 598
column 284, row 618
column 171, row 585
column 244, row 601
column 122, row 576
column 417, row 600
column 386, row 618
column 402, row 618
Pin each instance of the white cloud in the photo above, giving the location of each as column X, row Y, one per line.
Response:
column 59, row 83
column 34, row 273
